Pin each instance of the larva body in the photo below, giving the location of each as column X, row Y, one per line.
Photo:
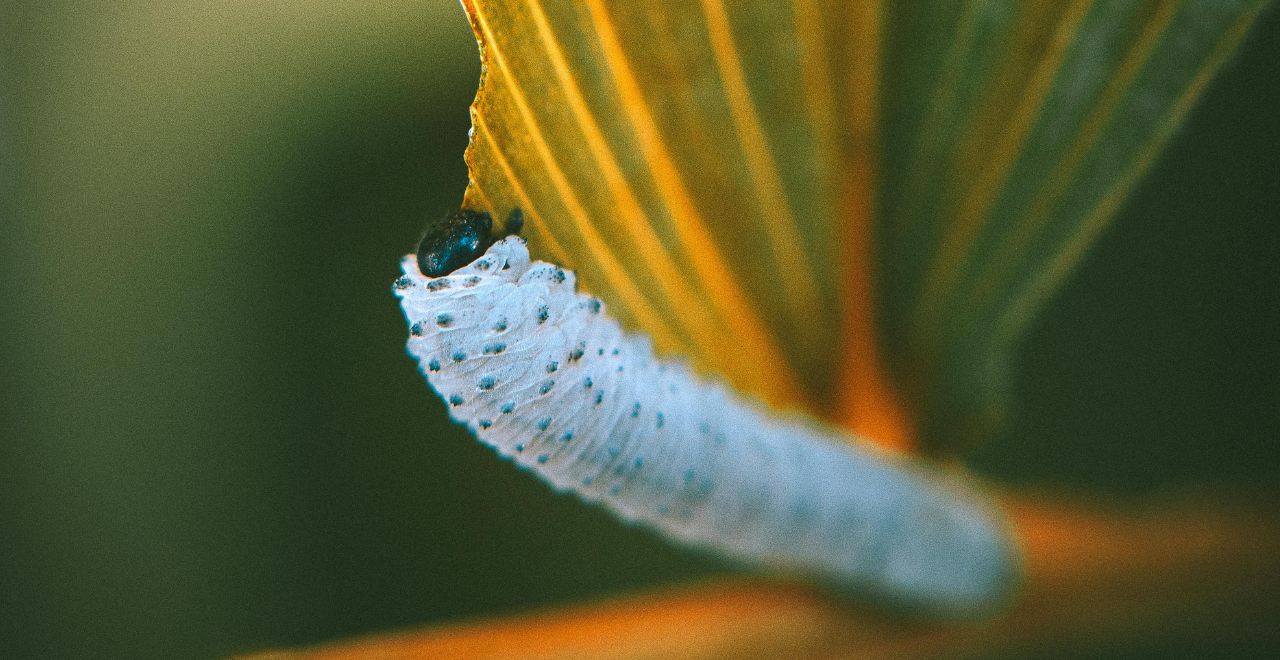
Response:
column 543, row 375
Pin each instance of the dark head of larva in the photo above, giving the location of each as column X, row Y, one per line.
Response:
column 454, row 241
column 459, row 239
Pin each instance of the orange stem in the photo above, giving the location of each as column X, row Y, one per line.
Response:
column 866, row 401
column 1098, row 576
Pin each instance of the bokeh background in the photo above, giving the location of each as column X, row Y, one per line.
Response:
column 211, row 441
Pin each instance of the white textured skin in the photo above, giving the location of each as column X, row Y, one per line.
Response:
column 545, row 377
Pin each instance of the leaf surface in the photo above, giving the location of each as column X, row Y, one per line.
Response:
column 1016, row 131
column 791, row 194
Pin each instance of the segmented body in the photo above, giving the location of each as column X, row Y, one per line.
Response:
column 545, row 377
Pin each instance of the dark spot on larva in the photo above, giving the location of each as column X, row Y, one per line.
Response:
column 688, row 474
column 494, row 349
column 619, row 367
column 543, row 315
column 613, row 452
column 486, row 384
column 403, row 283
column 672, row 389
column 558, row 276
column 639, row 461
column 515, row 222
column 520, row 447
column 587, row 481
column 455, row 400
column 704, row 427
column 485, row 424
column 551, row 368
column 575, row 355
column 600, row 352
column 615, row 489
column 543, row 459
column 635, row 409
column 437, row 285
column 453, row 242
column 546, row 387
column 594, row 306
column 484, row 264
column 660, row 420
column 500, row 326
column 471, row 281
column 444, row 320
column 587, row 383
column 544, row 423
column 615, row 351
column 721, row 438
column 599, row 398
column 433, row 365
column 415, row 330
column 459, row 356
column 506, row 410
column 568, row 435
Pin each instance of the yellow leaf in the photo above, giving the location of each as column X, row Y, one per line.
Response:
column 712, row 170
column 689, row 162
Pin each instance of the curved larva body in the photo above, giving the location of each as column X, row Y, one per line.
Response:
column 545, row 377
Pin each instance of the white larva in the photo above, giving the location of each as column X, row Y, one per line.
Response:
column 545, row 377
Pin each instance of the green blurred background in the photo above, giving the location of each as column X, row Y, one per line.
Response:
column 211, row 441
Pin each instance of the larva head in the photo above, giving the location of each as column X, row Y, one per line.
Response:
column 455, row 241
